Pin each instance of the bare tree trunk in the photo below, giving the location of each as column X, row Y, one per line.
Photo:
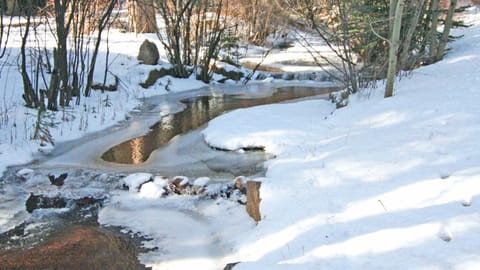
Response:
column 101, row 26
column 417, row 7
column 433, row 36
column 446, row 30
column 141, row 16
column 53, row 87
column 349, row 65
column 394, row 44
column 391, row 15
column 31, row 99
column 215, row 35
column 61, row 56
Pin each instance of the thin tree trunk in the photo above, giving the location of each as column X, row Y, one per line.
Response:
column 348, row 64
column 101, row 26
column 391, row 15
column 394, row 44
column 412, row 26
column 433, row 36
column 62, row 66
column 446, row 30
column 31, row 100
column 53, row 87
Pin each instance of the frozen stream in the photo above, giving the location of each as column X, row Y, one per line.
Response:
column 163, row 138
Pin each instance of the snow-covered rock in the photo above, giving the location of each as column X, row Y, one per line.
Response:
column 135, row 180
column 152, row 190
column 25, row 173
column 201, row 181
column 180, row 181
column 161, row 180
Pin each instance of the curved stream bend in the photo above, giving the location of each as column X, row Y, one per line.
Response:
column 179, row 155
column 199, row 110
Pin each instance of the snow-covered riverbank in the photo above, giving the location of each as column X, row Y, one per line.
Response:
column 380, row 184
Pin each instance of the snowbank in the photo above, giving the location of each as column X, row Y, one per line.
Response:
column 381, row 184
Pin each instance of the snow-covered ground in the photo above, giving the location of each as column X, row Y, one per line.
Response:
column 97, row 112
column 380, row 184
column 100, row 110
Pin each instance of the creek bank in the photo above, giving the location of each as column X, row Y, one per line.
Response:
column 75, row 197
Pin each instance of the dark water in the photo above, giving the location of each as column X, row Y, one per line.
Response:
column 198, row 111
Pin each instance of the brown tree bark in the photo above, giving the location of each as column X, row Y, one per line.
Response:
column 253, row 200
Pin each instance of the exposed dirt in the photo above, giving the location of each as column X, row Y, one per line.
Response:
column 76, row 247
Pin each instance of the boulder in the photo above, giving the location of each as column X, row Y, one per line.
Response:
column 40, row 201
column 148, row 53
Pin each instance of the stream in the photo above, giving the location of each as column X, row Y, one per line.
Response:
column 162, row 137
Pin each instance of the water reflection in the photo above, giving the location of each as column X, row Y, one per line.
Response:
column 198, row 111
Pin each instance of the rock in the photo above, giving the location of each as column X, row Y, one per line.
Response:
column 199, row 185
column 445, row 234
column 134, row 181
column 25, row 173
column 180, row 181
column 17, row 231
column 155, row 74
column 86, row 201
column 39, row 201
column 148, row 53
column 179, row 184
column 107, row 87
column 230, row 266
column 239, row 183
column 57, row 181
column 467, row 201
column 253, row 200
column 228, row 75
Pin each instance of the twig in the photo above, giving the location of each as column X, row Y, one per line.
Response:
column 384, row 208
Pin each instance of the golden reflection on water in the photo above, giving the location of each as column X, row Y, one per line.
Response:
column 138, row 150
column 198, row 112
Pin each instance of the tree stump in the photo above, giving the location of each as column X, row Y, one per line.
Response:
column 253, row 200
